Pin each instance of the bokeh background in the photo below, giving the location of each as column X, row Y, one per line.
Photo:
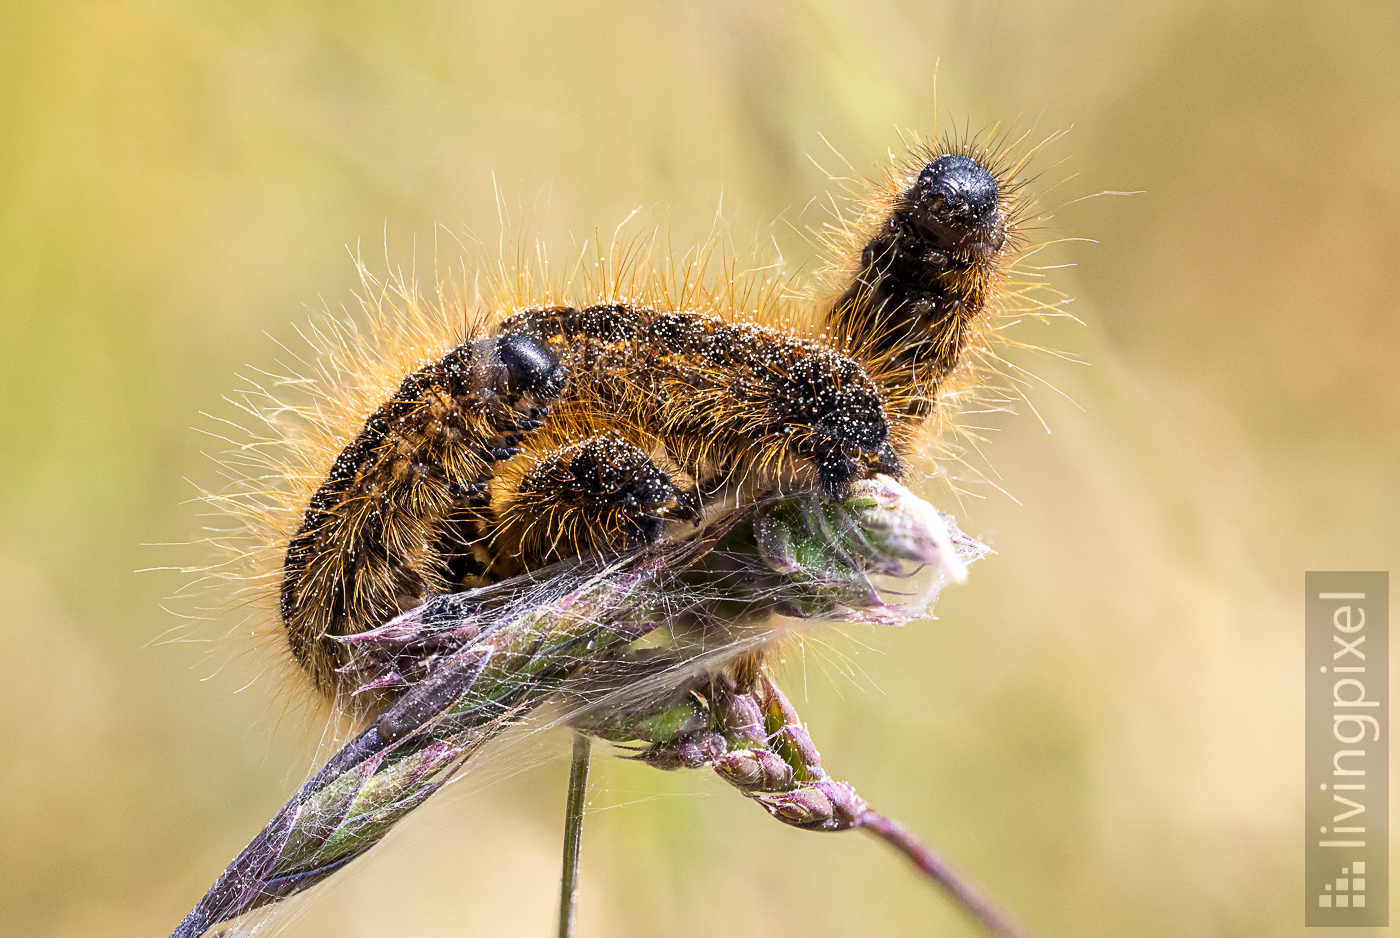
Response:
column 1104, row 726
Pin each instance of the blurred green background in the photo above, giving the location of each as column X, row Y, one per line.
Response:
column 1104, row 726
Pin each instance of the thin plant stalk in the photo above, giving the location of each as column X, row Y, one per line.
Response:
column 993, row 918
column 573, row 833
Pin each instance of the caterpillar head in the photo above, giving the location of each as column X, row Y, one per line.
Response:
column 955, row 205
column 531, row 367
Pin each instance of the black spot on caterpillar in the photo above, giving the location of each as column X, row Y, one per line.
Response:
column 553, row 426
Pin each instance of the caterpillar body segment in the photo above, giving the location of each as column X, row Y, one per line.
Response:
column 928, row 263
column 602, row 494
column 377, row 536
column 732, row 403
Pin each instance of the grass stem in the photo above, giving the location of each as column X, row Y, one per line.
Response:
column 573, row 833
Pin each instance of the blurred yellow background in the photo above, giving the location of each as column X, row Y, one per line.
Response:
column 1105, row 724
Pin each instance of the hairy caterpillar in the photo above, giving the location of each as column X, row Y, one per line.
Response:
column 554, row 424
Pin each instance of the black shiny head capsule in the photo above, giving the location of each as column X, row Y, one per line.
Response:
column 531, row 367
column 954, row 205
